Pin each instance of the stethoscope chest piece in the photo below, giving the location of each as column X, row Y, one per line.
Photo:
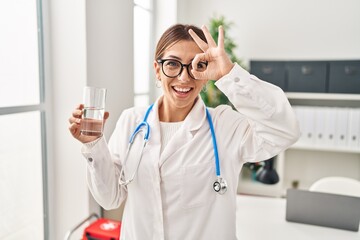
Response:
column 220, row 185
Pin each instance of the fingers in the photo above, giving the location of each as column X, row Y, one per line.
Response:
column 106, row 115
column 75, row 130
column 199, row 75
column 80, row 107
column 76, row 115
column 202, row 45
column 211, row 42
column 75, row 120
column 221, row 37
column 201, row 57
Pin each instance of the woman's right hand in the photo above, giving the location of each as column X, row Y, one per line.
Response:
column 75, row 125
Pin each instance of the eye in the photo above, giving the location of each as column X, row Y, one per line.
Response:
column 171, row 64
column 201, row 66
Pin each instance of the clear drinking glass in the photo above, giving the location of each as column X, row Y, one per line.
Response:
column 93, row 113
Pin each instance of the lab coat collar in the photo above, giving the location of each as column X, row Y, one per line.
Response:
column 196, row 117
column 193, row 121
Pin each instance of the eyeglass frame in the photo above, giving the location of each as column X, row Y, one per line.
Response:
column 181, row 69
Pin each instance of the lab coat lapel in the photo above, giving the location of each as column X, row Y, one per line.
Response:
column 194, row 120
column 155, row 136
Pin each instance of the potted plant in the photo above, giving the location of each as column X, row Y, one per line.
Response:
column 212, row 96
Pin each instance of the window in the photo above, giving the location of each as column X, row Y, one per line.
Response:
column 142, row 51
column 22, row 121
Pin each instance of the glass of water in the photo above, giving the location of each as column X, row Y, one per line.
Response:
column 92, row 123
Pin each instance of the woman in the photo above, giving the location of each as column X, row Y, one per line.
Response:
column 171, row 195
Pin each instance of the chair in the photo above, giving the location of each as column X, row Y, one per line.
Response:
column 337, row 185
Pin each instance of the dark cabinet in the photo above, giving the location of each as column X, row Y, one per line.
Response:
column 310, row 76
column 306, row 76
column 344, row 77
column 273, row 72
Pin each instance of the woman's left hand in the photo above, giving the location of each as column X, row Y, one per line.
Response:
column 219, row 64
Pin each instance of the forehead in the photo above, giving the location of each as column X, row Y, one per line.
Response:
column 183, row 50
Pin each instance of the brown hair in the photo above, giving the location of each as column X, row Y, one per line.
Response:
column 175, row 34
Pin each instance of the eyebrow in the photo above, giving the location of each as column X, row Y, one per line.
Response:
column 173, row 56
column 176, row 57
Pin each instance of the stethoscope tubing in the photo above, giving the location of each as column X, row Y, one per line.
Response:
column 138, row 129
column 219, row 185
column 217, row 162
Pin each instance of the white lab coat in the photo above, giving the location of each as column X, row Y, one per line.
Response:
column 172, row 195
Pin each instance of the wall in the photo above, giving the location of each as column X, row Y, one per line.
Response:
column 291, row 30
column 90, row 44
column 284, row 29
column 68, row 66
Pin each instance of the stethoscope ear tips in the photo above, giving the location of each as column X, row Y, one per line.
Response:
column 220, row 185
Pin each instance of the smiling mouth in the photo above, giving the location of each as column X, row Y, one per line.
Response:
column 182, row 90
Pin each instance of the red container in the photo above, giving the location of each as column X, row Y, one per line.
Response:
column 102, row 229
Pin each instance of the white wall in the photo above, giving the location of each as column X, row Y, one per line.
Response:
column 291, row 30
column 90, row 44
column 68, row 64
column 109, row 34
column 284, row 29
column 164, row 17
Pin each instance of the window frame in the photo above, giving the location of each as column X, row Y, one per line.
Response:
column 151, row 94
column 44, row 109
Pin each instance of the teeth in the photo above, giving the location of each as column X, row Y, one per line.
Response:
column 182, row 89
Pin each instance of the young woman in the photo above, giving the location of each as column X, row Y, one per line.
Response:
column 173, row 185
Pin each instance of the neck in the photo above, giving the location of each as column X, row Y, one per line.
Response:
column 169, row 113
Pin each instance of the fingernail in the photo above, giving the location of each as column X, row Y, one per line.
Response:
column 78, row 120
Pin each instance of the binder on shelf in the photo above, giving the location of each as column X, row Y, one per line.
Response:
column 354, row 128
column 341, row 129
column 308, row 125
column 329, row 126
column 320, row 118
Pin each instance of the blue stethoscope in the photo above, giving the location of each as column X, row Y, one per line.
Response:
column 219, row 185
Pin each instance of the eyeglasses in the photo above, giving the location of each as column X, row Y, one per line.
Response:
column 173, row 68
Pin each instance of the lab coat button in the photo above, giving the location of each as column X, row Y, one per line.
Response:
column 90, row 159
column 236, row 79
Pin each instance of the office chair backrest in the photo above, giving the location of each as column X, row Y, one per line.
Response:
column 337, row 185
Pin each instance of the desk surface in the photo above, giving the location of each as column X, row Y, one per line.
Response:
column 264, row 218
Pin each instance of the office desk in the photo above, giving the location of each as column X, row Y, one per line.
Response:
column 264, row 218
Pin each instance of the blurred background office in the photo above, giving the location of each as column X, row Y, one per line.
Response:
column 51, row 49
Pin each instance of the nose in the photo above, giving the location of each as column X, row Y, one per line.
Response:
column 184, row 76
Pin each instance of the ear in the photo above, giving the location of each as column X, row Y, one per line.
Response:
column 157, row 69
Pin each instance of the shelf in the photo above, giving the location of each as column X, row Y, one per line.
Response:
column 289, row 163
column 324, row 148
column 324, row 99
column 323, row 96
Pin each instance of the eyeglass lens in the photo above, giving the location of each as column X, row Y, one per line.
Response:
column 173, row 68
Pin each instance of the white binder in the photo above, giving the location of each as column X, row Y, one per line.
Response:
column 341, row 130
column 329, row 126
column 309, row 125
column 354, row 128
column 320, row 116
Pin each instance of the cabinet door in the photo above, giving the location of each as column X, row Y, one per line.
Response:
column 306, row 76
column 273, row 72
column 344, row 77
